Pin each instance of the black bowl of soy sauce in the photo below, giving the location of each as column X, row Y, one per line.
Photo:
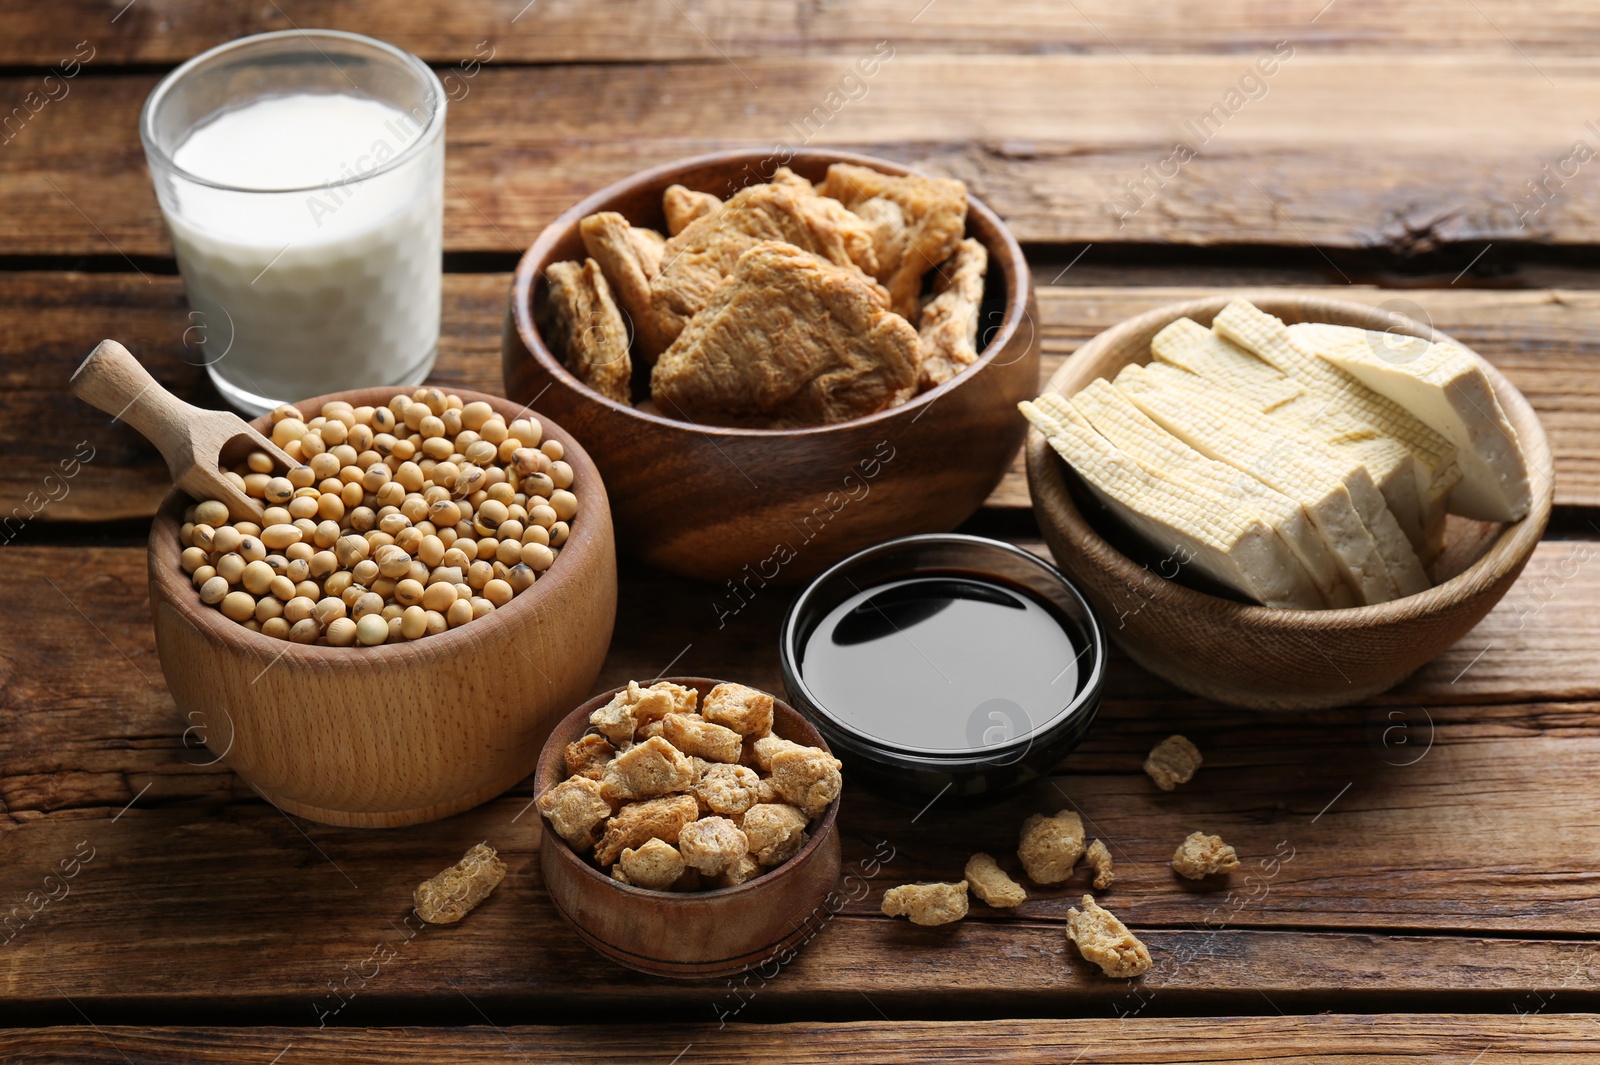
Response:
column 944, row 665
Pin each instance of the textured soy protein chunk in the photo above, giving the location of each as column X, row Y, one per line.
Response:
column 576, row 810
column 587, row 756
column 991, row 884
column 927, row 904
column 766, row 748
column 1051, row 846
column 1171, row 762
column 1200, row 856
column 712, row 844
column 1106, row 941
column 744, row 868
column 637, row 822
column 654, row 864
column 745, row 710
column 1100, row 858
column 693, row 734
column 454, row 893
column 776, row 832
column 808, row 778
column 634, row 707
column 729, row 790
column 646, row 770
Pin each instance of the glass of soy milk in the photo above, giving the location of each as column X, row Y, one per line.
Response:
column 301, row 175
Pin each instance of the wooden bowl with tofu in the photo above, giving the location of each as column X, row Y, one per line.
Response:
column 759, row 505
column 1342, row 529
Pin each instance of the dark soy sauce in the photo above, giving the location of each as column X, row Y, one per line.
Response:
column 946, row 664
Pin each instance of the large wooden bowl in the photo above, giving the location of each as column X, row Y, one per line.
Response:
column 691, row 935
column 1258, row 656
column 782, row 505
column 402, row 733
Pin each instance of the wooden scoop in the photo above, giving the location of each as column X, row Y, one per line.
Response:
column 195, row 442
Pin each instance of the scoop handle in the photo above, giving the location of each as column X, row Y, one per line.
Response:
column 189, row 438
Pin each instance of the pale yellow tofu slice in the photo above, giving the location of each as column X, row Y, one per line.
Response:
column 1337, row 492
column 1187, row 345
column 1445, row 386
column 1127, row 427
column 1192, row 528
column 1266, row 336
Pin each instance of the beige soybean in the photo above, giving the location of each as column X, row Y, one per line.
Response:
column 393, row 523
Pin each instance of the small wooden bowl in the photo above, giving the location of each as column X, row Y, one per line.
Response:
column 1257, row 656
column 783, row 504
column 692, row 934
column 402, row 733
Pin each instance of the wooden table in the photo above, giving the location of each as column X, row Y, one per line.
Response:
column 1440, row 899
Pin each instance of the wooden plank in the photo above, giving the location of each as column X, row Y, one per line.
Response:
column 170, row 31
column 1409, row 151
column 188, row 912
column 1316, row 1040
column 1542, row 340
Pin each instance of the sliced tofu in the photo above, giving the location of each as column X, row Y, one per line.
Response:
column 1191, row 527
column 1444, row 386
column 1267, row 337
column 1187, row 345
column 1127, row 427
column 1337, row 492
column 1392, row 467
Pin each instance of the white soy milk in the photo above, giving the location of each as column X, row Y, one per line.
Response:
column 324, row 276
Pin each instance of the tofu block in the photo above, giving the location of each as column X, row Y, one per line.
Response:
column 1187, row 345
column 1120, row 421
column 1228, row 544
column 1444, row 386
column 1337, row 493
column 1337, row 392
column 1190, row 346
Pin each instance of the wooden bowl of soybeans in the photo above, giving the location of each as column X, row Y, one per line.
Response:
column 411, row 730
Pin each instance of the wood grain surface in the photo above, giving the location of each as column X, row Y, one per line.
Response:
column 1411, row 151
column 1439, row 841
column 1319, row 1040
column 444, row 33
column 1430, row 866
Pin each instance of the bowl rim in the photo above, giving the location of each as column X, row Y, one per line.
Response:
column 1013, row 263
column 1087, row 698
column 1509, row 550
column 587, row 540
column 825, row 822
